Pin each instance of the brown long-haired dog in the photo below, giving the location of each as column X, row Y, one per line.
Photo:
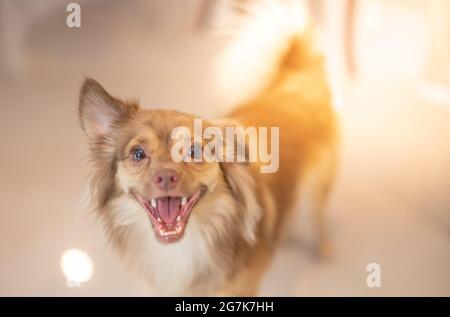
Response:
column 210, row 228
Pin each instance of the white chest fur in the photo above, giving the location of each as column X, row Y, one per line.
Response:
column 171, row 269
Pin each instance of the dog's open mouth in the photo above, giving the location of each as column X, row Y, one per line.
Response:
column 169, row 214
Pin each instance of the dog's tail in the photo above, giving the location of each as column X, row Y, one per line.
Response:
column 275, row 36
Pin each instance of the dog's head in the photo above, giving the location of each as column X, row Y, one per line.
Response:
column 131, row 151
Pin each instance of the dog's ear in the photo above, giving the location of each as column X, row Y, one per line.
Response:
column 242, row 180
column 101, row 116
column 99, row 112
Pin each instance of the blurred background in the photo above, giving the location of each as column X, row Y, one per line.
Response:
column 389, row 66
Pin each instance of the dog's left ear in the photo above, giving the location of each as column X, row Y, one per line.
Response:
column 99, row 112
column 242, row 182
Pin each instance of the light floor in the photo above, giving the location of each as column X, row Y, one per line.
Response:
column 390, row 206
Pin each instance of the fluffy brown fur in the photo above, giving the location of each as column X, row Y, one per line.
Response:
column 234, row 228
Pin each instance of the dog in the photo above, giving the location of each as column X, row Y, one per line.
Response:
column 212, row 227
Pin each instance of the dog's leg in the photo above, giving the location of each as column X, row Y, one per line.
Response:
column 323, row 246
column 247, row 281
column 321, row 192
column 307, row 223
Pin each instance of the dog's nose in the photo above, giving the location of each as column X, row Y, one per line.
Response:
column 166, row 179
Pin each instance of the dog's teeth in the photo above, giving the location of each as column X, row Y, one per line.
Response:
column 153, row 203
column 178, row 218
column 183, row 201
column 159, row 220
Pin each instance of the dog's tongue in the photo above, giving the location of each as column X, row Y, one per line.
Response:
column 169, row 208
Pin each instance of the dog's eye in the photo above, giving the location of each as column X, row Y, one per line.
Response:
column 195, row 152
column 137, row 154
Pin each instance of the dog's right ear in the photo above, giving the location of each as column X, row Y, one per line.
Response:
column 99, row 112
